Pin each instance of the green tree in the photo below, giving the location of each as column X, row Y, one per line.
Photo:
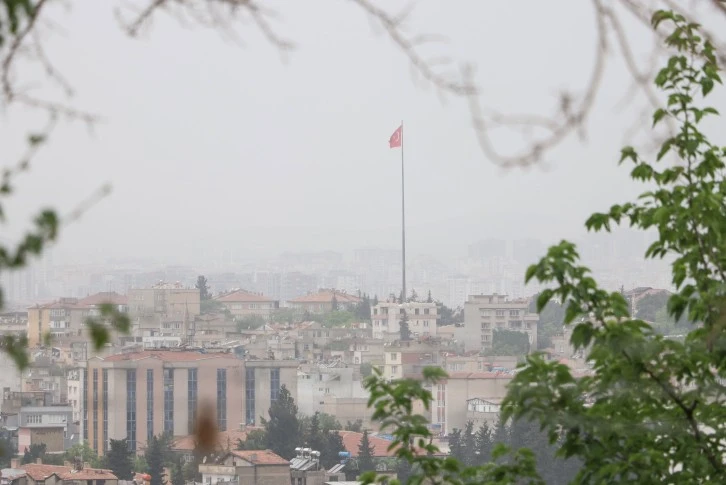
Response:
column 177, row 473
column 83, row 452
column 363, row 309
column 283, row 428
column 334, row 303
column 365, row 369
column 469, row 444
column 33, row 452
column 414, row 295
column 7, row 450
column 509, row 342
column 155, row 458
column 456, row 445
column 140, row 464
column 203, row 286
column 250, row 322
column 332, row 446
column 356, row 425
column 190, row 472
column 338, row 318
column 256, row 439
column 119, row 459
column 404, row 330
column 484, row 444
column 429, row 298
column 366, row 452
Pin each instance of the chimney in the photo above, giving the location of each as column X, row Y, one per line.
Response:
column 14, row 462
column 38, row 461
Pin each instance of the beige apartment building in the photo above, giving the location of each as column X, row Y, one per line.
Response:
column 242, row 303
column 324, row 301
column 142, row 394
column 66, row 317
column 163, row 309
column 483, row 314
column 386, row 319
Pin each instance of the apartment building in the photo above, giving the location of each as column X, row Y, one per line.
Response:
column 407, row 359
column 66, row 317
column 336, row 379
column 49, row 425
column 163, row 309
column 242, row 303
column 146, row 393
column 483, row 314
column 324, row 301
column 386, row 318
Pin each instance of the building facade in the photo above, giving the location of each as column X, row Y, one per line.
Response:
column 386, row 319
column 484, row 314
column 241, row 304
column 324, row 301
column 163, row 309
column 143, row 394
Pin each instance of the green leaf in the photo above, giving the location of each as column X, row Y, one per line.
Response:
column 658, row 115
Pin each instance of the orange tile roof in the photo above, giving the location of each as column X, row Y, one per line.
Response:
column 241, row 296
column 38, row 472
column 104, row 297
column 260, row 457
column 326, row 296
column 481, row 375
column 169, row 356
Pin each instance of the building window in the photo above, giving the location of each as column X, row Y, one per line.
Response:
column 394, row 369
column 394, row 356
column 85, row 405
column 500, row 313
column 104, row 383
column 192, row 398
column 416, row 311
column 149, row 404
column 95, row 410
column 34, row 419
column 426, row 311
column 250, row 396
column 274, row 384
column 131, row 408
column 169, row 401
column 513, row 313
column 222, row 399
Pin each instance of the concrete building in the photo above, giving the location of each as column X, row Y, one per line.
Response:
column 324, row 301
column 248, row 467
column 165, row 308
column 242, row 303
column 386, row 318
column 66, row 317
column 452, row 398
column 407, row 359
column 316, row 381
column 483, row 314
column 141, row 394
column 49, row 425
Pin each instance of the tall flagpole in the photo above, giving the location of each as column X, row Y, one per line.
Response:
column 403, row 221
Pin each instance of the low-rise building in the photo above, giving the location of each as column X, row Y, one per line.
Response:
column 40, row 474
column 319, row 380
column 386, row 319
column 242, row 303
column 324, row 301
column 485, row 314
column 49, row 425
column 248, row 467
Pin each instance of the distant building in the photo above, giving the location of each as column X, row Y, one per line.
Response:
column 163, row 309
column 483, row 314
column 386, row 318
column 142, row 394
column 324, row 301
column 316, row 381
column 66, row 317
column 242, row 303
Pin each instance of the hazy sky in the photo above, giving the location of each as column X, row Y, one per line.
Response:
column 212, row 145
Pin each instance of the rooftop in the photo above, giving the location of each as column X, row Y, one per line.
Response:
column 104, row 297
column 168, row 356
column 39, row 472
column 241, row 296
column 260, row 457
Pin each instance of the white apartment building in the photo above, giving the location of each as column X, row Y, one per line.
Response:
column 483, row 314
column 327, row 379
column 386, row 318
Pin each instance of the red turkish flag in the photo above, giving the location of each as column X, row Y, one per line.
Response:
column 397, row 138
